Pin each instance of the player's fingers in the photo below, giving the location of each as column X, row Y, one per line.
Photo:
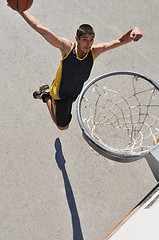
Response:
column 135, row 37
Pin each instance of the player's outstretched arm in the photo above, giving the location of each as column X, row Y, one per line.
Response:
column 63, row 44
column 133, row 34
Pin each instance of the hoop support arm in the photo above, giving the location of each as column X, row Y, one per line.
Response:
column 153, row 161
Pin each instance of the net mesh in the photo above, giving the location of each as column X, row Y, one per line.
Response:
column 121, row 113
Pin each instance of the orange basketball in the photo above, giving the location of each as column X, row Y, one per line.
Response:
column 20, row 5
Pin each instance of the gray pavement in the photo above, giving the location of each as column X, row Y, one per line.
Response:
column 52, row 185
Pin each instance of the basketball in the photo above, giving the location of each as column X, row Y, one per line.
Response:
column 20, row 5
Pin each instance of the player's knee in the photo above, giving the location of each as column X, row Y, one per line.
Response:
column 63, row 128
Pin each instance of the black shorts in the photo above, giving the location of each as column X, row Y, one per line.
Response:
column 62, row 111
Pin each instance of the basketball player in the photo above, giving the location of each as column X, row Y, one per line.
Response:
column 75, row 67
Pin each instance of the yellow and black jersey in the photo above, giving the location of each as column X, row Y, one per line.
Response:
column 71, row 74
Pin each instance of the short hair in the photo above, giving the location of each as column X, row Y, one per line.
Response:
column 84, row 29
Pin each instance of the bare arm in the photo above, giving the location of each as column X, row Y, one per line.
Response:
column 63, row 44
column 132, row 35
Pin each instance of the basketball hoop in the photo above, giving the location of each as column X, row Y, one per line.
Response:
column 118, row 113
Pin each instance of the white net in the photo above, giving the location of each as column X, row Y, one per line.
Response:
column 121, row 113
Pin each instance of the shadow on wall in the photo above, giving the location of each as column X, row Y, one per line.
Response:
column 77, row 232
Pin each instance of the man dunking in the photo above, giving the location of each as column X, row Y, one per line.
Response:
column 75, row 67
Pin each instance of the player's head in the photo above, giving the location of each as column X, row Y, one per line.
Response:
column 84, row 29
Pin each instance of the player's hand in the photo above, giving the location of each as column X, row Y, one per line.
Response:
column 136, row 34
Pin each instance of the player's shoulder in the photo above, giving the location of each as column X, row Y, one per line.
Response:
column 96, row 50
column 67, row 45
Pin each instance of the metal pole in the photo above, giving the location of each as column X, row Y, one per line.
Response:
column 153, row 161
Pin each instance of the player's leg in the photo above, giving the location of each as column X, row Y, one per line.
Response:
column 44, row 94
column 52, row 109
column 61, row 112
